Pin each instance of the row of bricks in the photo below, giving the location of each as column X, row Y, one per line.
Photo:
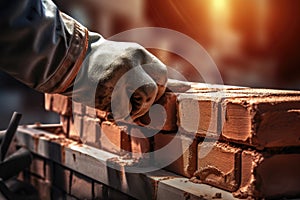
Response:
column 54, row 181
column 245, row 172
column 114, row 171
column 255, row 117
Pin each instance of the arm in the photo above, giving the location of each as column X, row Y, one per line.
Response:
column 40, row 46
column 48, row 51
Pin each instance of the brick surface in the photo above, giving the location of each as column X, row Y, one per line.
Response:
column 91, row 131
column 65, row 122
column 140, row 143
column 219, row 165
column 162, row 115
column 43, row 187
column 92, row 163
column 78, row 108
column 114, row 138
column 268, row 176
column 199, row 113
column 58, row 103
column 260, row 121
column 76, row 127
column 81, row 187
column 37, row 167
column 115, row 194
column 49, row 173
column 176, row 152
column 99, row 191
column 62, row 178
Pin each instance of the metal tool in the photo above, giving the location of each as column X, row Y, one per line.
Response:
column 12, row 165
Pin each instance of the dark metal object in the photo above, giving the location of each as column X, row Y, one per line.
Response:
column 15, row 163
column 10, row 132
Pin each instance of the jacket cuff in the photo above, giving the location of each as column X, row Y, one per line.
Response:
column 72, row 61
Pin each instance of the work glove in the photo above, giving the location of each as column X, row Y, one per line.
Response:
column 119, row 77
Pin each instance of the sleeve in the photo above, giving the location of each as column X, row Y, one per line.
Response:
column 39, row 45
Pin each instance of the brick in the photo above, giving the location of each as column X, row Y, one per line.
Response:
column 57, row 193
column 115, row 194
column 256, row 117
column 176, row 152
column 90, row 112
column 37, row 167
column 81, row 187
column 163, row 117
column 99, row 191
column 65, row 122
column 59, row 104
column 114, row 138
column 206, row 87
column 43, row 187
column 62, row 178
column 91, row 131
column 266, row 175
column 78, row 108
column 261, row 121
column 49, row 173
column 76, row 127
column 218, row 165
column 72, row 126
column 199, row 113
column 48, row 98
column 140, row 143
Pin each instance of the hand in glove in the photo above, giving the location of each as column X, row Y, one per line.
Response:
column 120, row 77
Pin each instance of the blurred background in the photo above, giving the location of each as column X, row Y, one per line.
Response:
column 253, row 42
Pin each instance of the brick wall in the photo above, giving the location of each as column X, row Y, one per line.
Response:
column 243, row 141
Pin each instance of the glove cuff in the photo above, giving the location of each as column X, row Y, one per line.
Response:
column 72, row 61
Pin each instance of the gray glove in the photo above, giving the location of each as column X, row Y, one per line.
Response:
column 119, row 76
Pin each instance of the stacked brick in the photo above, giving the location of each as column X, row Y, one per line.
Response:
column 242, row 140
column 54, row 181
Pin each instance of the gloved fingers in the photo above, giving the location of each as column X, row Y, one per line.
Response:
column 132, row 95
column 158, row 72
column 142, row 99
column 178, row 86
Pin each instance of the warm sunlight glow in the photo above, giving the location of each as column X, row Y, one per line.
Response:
column 219, row 5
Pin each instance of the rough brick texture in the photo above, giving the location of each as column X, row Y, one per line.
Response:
column 229, row 137
column 219, row 165
column 176, row 152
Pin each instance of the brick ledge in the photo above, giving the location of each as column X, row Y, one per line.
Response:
column 91, row 162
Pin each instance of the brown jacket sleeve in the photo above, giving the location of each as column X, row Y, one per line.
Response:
column 40, row 46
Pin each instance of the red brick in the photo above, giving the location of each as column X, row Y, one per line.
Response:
column 198, row 113
column 182, row 151
column 219, row 165
column 62, row 178
column 65, row 122
column 140, row 143
column 81, row 187
column 43, row 187
column 48, row 101
column 114, row 138
column 78, row 108
column 37, row 167
column 269, row 176
column 59, row 104
column 115, row 194
column 75, row 127
column 49, row 171
column 91, row 131
column 163, row 117
column 260, row 121
column 90, row 112
column 100, row 191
